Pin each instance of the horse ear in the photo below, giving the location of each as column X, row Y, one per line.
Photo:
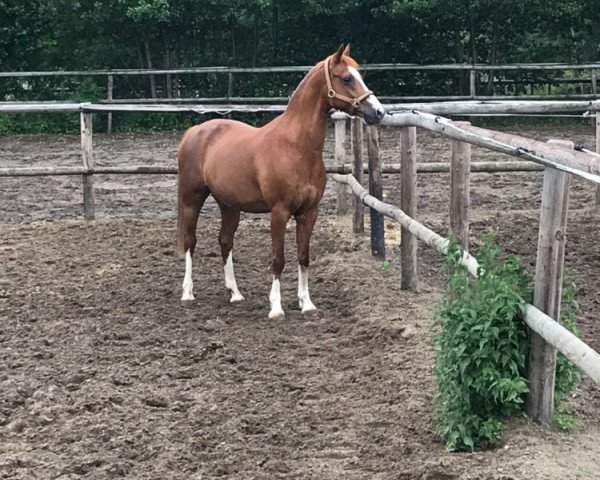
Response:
column 337, row 56
column 347, row 50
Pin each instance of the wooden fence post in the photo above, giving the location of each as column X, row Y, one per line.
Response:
column 109, row 97
column 408, row 203
column 89, row 203
column 339, row 120
column 356, row 133
column 169, row 86
column 376, row 190
column 547, row 290
column 594, row 79
column 460, row 171
column 472, row 88
column 229, row 85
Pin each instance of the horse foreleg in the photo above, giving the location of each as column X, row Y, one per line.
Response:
column 279, row 219
column 304, row 228
column 230, row 219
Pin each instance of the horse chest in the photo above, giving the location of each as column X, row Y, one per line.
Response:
column 308, row 193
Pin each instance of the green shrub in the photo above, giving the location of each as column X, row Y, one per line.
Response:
column 480, row 349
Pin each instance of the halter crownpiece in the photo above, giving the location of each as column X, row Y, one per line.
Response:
column 331, row 93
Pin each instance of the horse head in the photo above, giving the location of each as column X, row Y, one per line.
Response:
column 346, row 88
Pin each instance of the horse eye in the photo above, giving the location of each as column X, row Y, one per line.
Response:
column 347, row 79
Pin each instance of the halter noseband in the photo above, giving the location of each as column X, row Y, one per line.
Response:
column 331, row 93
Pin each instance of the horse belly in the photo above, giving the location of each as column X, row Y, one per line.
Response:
column 232, row 181
column 242, row 198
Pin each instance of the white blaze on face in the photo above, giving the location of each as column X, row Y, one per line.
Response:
column 371, row 99
column 275, row 299
column 188, row 285
column 230, row 282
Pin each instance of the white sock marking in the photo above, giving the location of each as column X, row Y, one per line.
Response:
column 230, row 282
column 371, row 99
column 303, row 296
column 188, row 285
column 275, row 299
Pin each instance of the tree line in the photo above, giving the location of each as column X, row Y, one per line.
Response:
column 87, row 34
column 166, row 34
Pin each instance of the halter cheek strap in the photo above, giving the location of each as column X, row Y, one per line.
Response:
column 331, row 93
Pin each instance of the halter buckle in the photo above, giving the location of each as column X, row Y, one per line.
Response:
column 331, row 93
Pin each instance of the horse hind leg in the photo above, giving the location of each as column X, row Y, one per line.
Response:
column 190, row 204
column 230, row 219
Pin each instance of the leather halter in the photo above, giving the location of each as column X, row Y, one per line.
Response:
column 331, row 93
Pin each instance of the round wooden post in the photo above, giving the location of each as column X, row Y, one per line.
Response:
column 376, row 190
column 339, row 120
column 472, row 88
column 460, row 171
column 89, row 203
column 229, row 90
column 356, row 133
column 229, row 85
column 408, row 203
column 169, row 86
column 547, row 290
column 109, row 97
column 594, row 79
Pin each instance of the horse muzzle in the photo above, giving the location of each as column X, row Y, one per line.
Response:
column 372, row 115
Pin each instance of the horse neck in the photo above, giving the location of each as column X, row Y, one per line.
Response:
column 306, row 113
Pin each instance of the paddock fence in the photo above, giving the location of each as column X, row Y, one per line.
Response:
column 88, row 170
column 475, row 77
column 560, row 161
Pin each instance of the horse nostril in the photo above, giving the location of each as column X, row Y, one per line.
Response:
column 380, row 113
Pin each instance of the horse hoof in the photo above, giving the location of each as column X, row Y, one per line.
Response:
column 309, row 308
column 276, row 314
column 187, row 298
column 236, row 297
column 306, row 305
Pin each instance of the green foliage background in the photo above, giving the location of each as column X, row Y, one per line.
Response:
column 93, row 34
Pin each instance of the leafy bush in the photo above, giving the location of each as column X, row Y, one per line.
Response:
column 480, row 349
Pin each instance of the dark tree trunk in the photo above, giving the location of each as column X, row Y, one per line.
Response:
column 255, row 37
column 140, row 56
column 472, row 30
column 460, row 58
column 149, row 62
column 493, row 51
column 169, row 85
column 221, row 41
column 275, row 31
column 233, row 46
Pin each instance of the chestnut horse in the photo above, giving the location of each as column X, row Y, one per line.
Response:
column 277, row 168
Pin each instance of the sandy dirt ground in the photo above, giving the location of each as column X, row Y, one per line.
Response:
column 105, row 374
